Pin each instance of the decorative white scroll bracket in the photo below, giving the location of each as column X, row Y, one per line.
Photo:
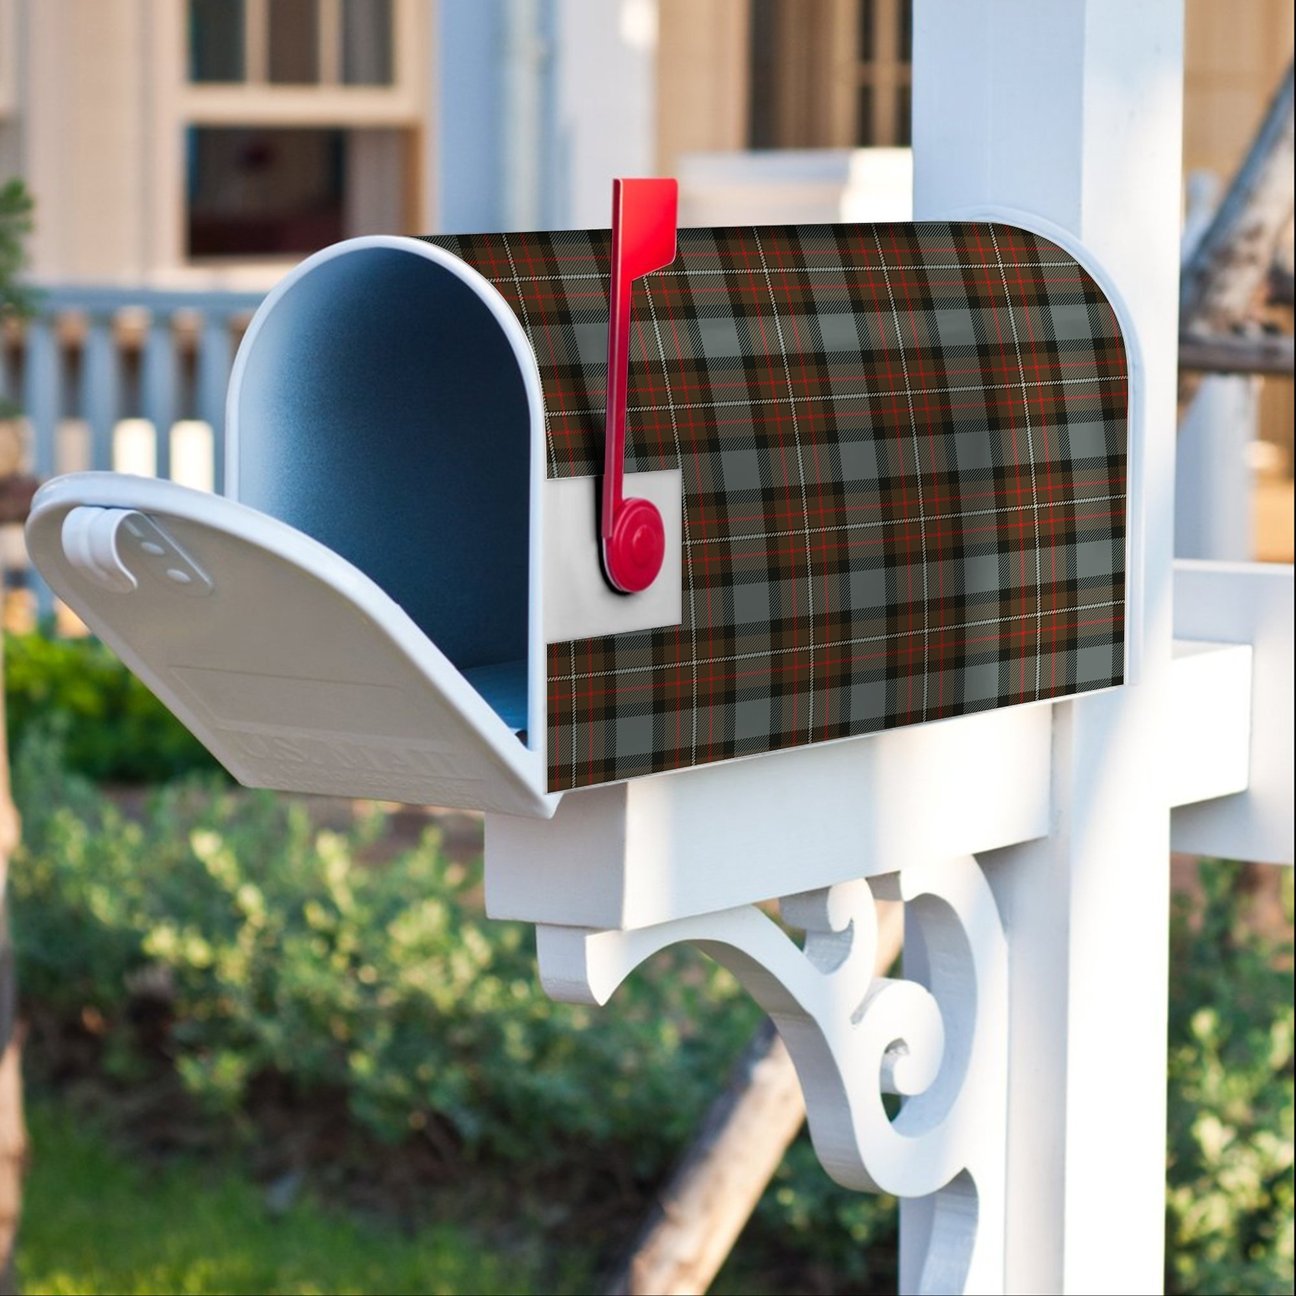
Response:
column 936, row 1037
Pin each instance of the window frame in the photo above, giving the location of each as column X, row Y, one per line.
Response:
column 814, row 100
column 182, row 103
column 256, row 100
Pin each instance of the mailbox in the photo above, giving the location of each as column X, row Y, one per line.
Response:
column 872, row 476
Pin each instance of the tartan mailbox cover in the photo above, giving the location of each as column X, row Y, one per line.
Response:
column 891, row 461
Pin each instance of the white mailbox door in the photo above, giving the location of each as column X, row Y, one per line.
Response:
column 286, row 661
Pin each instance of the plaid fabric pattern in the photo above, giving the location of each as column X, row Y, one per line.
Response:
column 904, row 461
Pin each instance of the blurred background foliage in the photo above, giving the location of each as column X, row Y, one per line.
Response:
column 112, row 729
column 323, row 1012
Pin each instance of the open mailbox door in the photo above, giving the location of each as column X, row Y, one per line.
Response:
column 293, row 667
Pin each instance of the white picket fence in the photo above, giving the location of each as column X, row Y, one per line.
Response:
column 131, row 380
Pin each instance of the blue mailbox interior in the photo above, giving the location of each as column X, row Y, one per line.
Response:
column 382, row 411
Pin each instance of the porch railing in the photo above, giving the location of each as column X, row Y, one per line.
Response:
column 125, row 379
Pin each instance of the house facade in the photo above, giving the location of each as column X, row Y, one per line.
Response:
column 208, row 143
column 212, row 142
column 205, row 146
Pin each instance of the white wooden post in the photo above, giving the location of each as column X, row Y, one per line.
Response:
column 1073, row 112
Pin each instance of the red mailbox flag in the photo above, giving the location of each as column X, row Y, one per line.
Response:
column 644, row 219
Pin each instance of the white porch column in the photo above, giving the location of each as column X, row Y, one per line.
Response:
column 605, row 78
column 1072, row 111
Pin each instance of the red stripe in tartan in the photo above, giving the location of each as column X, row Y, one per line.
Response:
column 813, row 383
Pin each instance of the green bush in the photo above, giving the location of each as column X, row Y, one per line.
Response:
column 282, row 953
column 1230, row 1200
column 113, row 728
column 847, row 1239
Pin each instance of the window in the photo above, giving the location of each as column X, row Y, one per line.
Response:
column 297, row 123
column 279, row 192
column 830, row 73
column 294, row 42
column 216, row 50
column 264, row 192
column 291, row 42
column 366, row 42
column 884, row 68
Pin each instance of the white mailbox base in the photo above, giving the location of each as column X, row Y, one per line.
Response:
column 674, row 846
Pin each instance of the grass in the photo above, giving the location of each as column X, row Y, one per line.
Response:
column 95, row 1221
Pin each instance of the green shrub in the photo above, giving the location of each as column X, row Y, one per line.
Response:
column 113, row 728
column 1229, row 1200
column 283, row 954
column 848, row 1239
